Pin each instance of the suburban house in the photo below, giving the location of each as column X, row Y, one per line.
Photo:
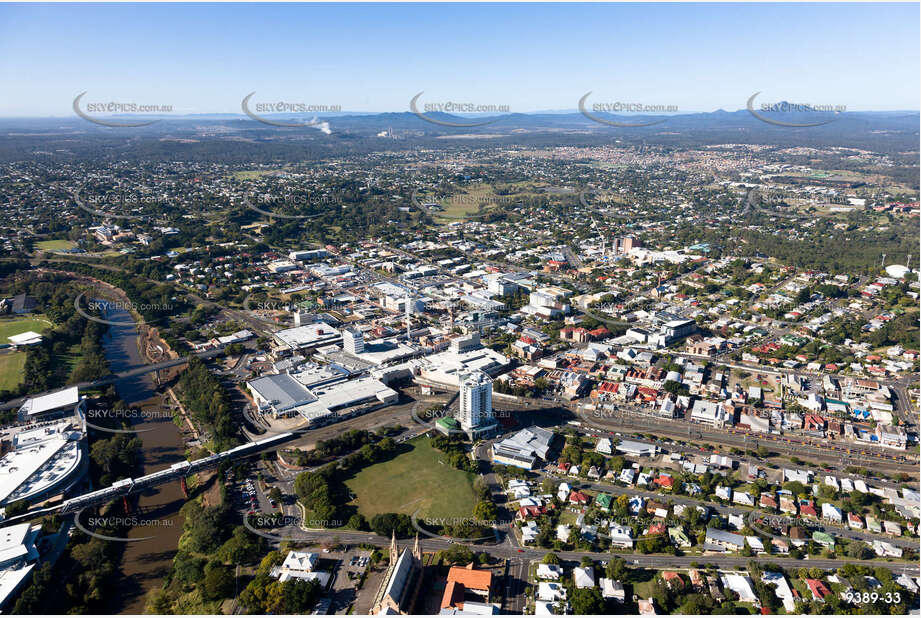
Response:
column 720, row 540
column 818, row 589
column 621, row 536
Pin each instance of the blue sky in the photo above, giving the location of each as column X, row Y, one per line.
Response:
column 374, row 57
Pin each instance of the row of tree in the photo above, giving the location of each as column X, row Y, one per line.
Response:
column 207, row 402
column 203, row 570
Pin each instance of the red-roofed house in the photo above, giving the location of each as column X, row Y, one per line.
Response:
column 463, row 582
column 599, row 333
column 656, row 528
column 807, row 509
column 647, row 394
column 818, row 589
column 530, row 512
column 672, row 579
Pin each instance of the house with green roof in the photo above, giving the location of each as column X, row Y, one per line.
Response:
column 604, row 502
column 824, row 539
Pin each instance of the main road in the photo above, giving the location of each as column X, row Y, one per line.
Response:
column 296, row 534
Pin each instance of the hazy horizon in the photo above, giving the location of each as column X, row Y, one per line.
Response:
column 373, row 58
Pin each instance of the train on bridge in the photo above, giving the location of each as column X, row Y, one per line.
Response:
column 177, row 470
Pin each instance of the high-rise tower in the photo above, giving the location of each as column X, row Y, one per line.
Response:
column 475, row 400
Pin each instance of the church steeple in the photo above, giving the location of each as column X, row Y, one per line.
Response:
column 393, row 548
column 417, row 551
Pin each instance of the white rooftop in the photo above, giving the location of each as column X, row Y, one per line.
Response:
column 16, row 543
column 25, row 338
column 281, row 390
column 17, row 558
column 444, row 367
column 301, row 561
column 741, row 585
column 584, row 577
column 344, row 394
column 69, row 397
column 34, row 468
column 308, row 335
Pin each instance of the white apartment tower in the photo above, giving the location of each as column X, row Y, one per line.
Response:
column 353, row 341
column 475, row 400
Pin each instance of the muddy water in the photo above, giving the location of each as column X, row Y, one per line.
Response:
column 145, row 563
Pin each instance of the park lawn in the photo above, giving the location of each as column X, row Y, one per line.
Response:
column 417, row 479
column 453, row 210
column 252, row 174
column 12, row 366
column 17, row 325
column 466, row 203
column 644, row 589
column 55, row 245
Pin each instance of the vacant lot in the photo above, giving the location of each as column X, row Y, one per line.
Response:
column 416, row 479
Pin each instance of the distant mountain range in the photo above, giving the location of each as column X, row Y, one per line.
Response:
column 895, row 133
column 546, row 119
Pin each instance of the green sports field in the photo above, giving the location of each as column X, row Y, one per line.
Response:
column 15, row 325
column 12, row 365
column 417, row 479
column 55, row 245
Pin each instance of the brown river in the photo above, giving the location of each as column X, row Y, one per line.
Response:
column 146, row 562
